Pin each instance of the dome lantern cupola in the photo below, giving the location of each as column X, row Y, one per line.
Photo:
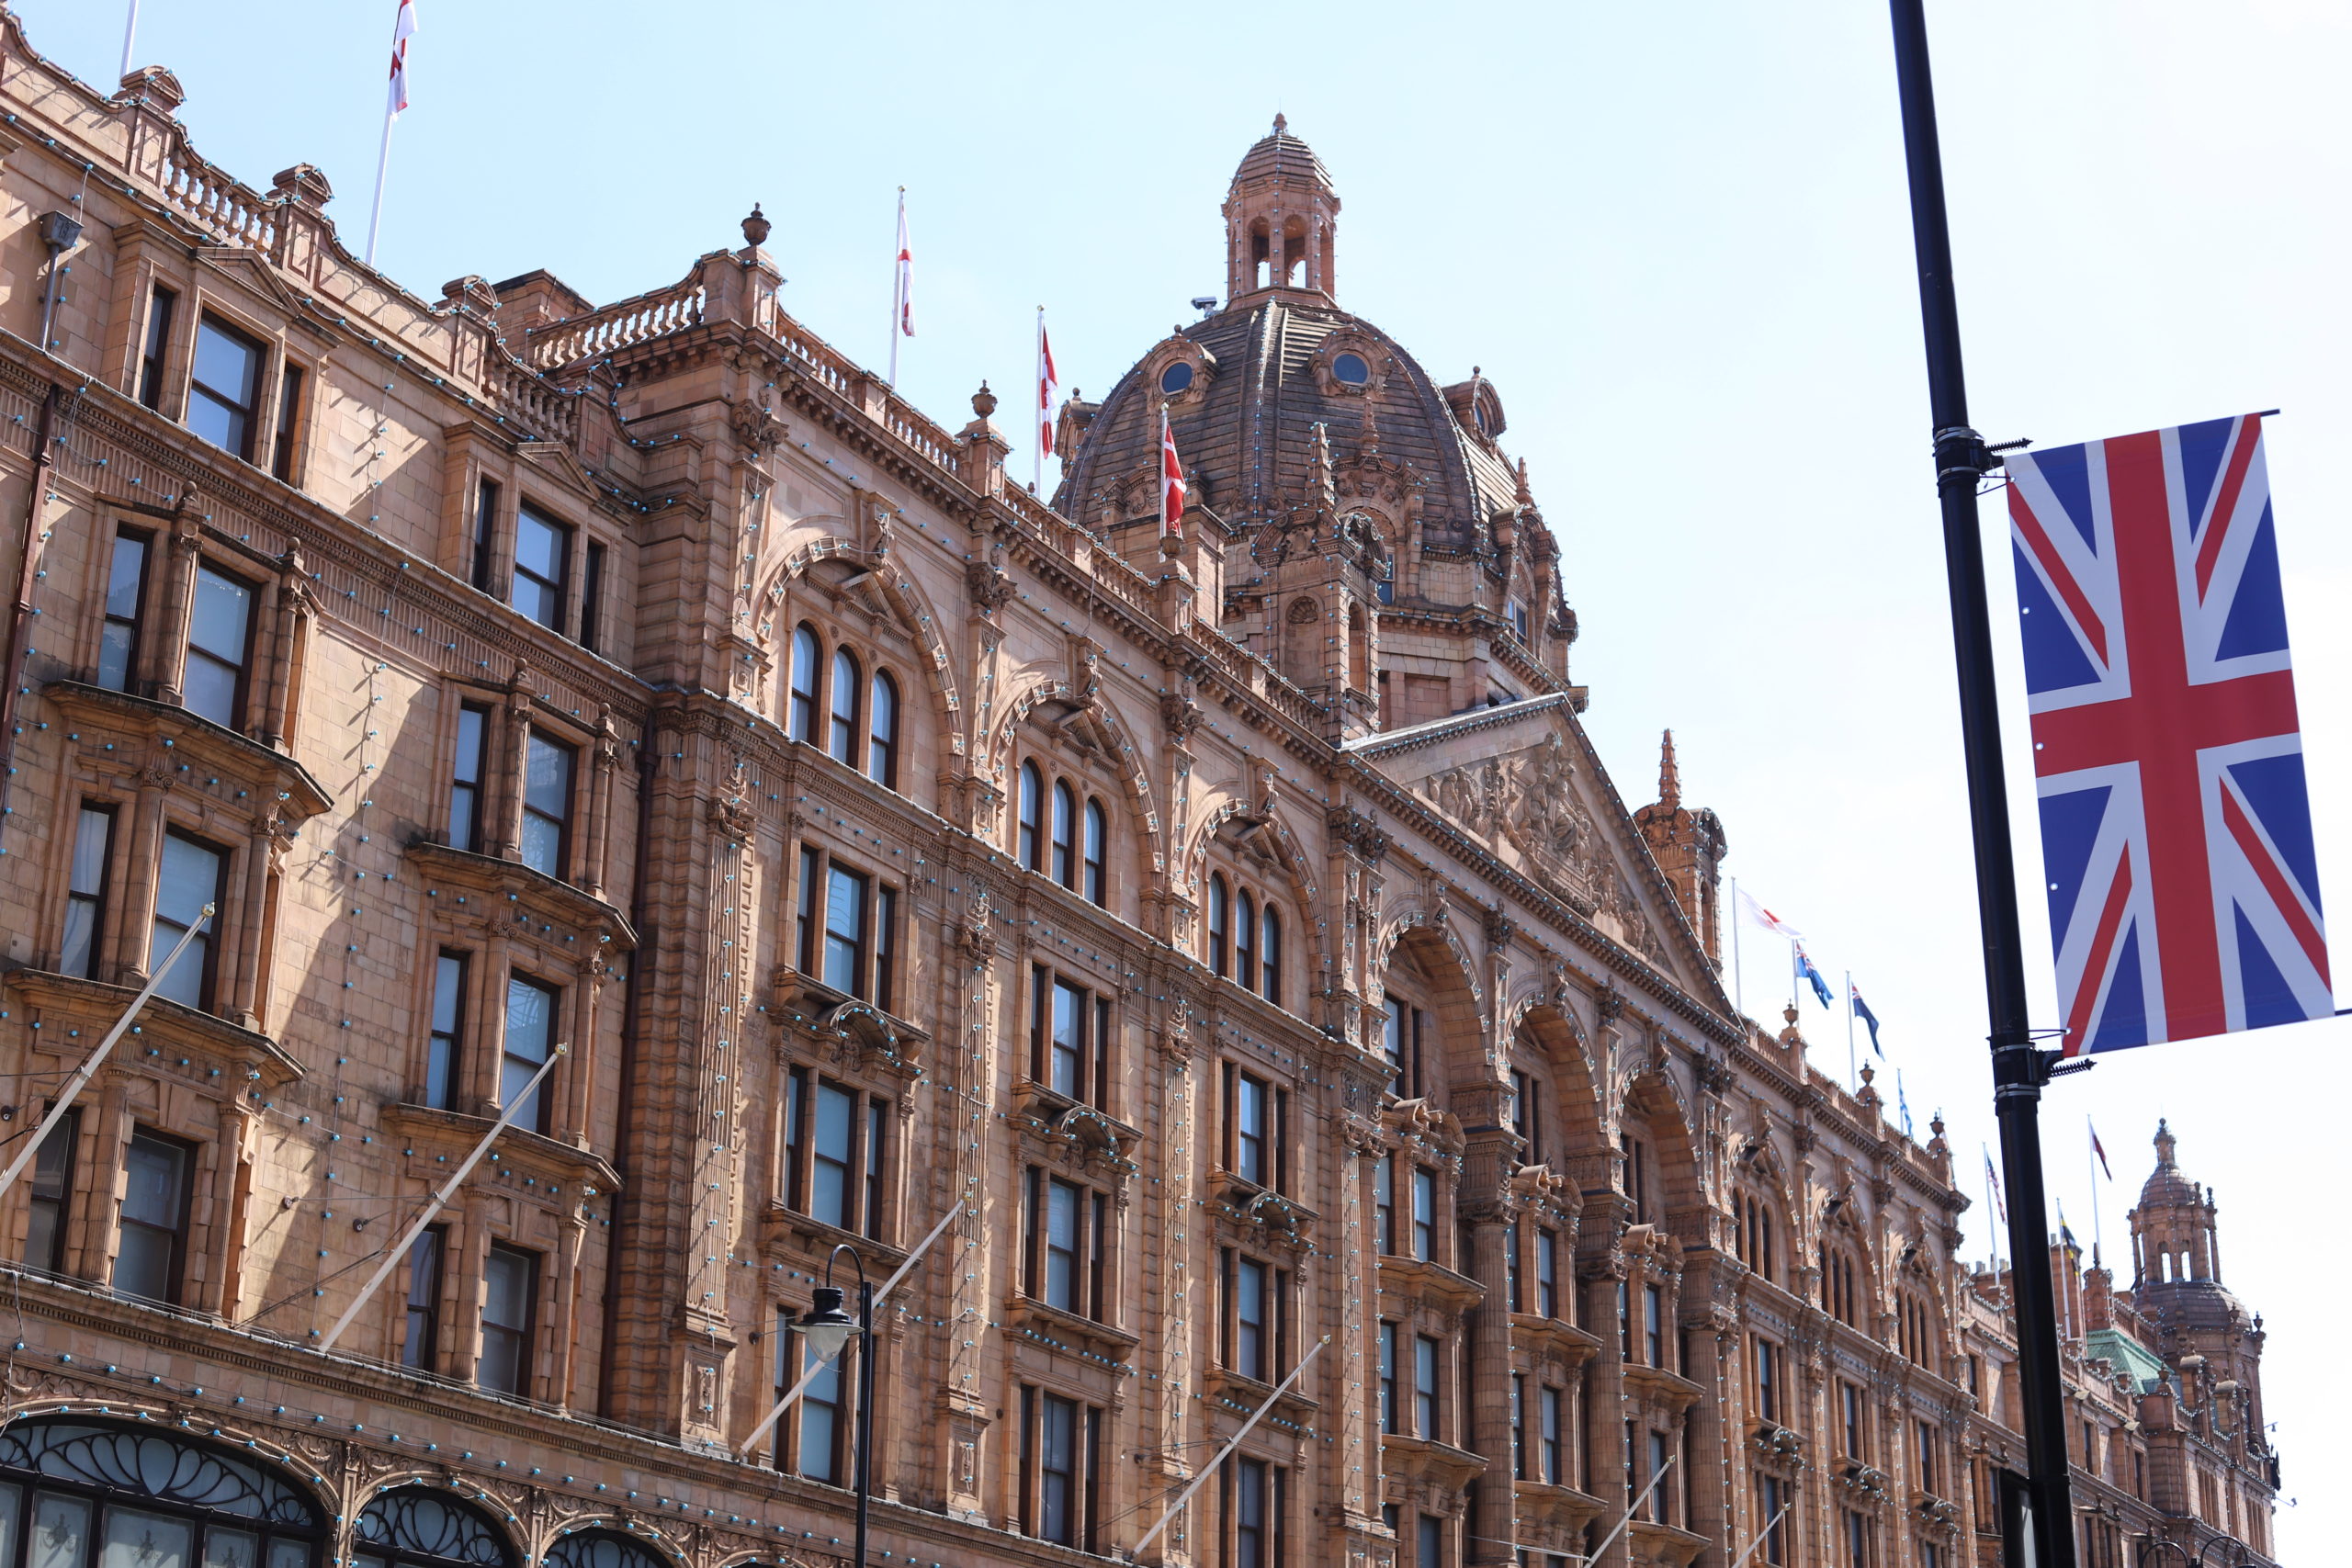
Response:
column 1280, row 218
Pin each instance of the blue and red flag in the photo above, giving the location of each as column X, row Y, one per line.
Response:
column 2176, row 827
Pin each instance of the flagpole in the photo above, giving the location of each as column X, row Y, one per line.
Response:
column 2090, row 1160
column 1738, row 991
column 897, row 287
column 129, row 31
column 1853, row 1069
column 383, row 162
column 1037, row 440
column 2019, row 1068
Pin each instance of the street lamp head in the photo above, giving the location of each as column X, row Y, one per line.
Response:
column 827, row 1327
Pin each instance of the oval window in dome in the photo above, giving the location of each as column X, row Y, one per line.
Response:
column 1350, row 370
column 1176, row 377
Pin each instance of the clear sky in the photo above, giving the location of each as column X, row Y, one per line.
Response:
column 1677, row 240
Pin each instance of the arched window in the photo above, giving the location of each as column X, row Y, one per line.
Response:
column 110, row 1496
column 1220, row 925
column 1098, row 833
column 1270, row 955
column 1064, row 869
column 1245, row 941
column 1752, row 1235
column 419, row 1526
column 602, row 1548
column 1030, row 847
column 842, row 738
column 882, row 731
column 800, row 719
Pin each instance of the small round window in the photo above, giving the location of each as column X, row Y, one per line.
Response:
column 1176, row 377
column 1351, row 369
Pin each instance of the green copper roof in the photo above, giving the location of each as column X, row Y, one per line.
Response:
column 2129, row 1355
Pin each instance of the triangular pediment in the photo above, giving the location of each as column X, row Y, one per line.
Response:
column 556, row 461
column 1524, row 780
column 253, row 269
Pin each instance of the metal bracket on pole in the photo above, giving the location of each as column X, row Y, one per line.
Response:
column 808, row 1377
column 398, row 1249
column 1210, row 1469
column 97, row 1059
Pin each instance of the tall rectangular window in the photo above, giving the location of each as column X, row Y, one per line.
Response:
column 188, row 879
column 1388, row 1416
column 1425, row 1386
column 449, row 1030
column 1547, row 1273
column 466, row 778
column 823, row 1417
column 149, row 1255
column 1927, row 1477
column 421, row 1339
column 155, row 345
column 546, row 803
column 845, row 893
column 126, row 602
column 1552, row 1430
column 510, row 1289
column 835, row 1128
column 530, row 1036
column 1392, row 1041
column 1772, row 1496
column 1850, row 1401
column 85, row 892
column 1424, row 1214
column 1066, row 1046
column 592, row 598
column 1653, row 1326
column 870, row 1207
column 1065, row 1217
column 1058, row 1470
column 289, row 423
column 50, row 1194
column 220, row 640
column 542, row 567
column 885, row 948
column 485, row 534
column 1519, row 1425
column 1384, row 1202
column 1767, row 1381
column 1660, row 1480
column 223, row 385
column 1253, row 1319
column 1257, row 1507
column 1429, row 1547
column 1252, row 1111
column 1511, row 1267
column 1527, row 1117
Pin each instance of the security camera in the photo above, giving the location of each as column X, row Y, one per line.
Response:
column 1204, row 303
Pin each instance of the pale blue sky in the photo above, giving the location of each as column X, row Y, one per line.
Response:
column 1675, row 239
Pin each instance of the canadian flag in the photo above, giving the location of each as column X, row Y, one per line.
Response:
column 1047, row 385
column 403, row 28
column 1171, row 482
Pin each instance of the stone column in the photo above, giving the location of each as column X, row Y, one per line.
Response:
column 1604, row 1402
column 165, row 655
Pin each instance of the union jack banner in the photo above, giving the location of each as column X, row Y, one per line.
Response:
column 2175, row 827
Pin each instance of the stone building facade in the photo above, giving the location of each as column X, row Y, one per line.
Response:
column 639, row 722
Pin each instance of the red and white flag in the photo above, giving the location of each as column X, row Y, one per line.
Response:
column 403, row 28
column 1171, row 482
column 1047, row 385
column 906, row 285
column 1772, row 922
column 2097, row 1148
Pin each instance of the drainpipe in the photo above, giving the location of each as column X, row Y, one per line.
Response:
column 630, row 1026
column 20, row 615
column 59, row 231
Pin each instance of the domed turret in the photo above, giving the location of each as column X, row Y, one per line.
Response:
column 1280, row 219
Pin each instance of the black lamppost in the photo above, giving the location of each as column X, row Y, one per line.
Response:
column 828, row 1330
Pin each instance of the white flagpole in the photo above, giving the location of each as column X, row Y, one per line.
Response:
column 1135, row 1553
column 440, row 1199
column 129, row 31
column 1738, row 918
column 383, row 164
column 97, row 1059
column 1037, row 436
column 1853, row 1072
column 1764, row 1535
column 1602, row 1550
column 2090, row 1158
column 810, row 1376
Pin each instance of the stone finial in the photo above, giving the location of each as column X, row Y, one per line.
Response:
column 302, row 184
column 1669, row 776
column 984, row 402
column 756, row 227
column 158, row 88
column 1281, row 124
column 472, row 289
column 2165, row 1145
column 1525, row 496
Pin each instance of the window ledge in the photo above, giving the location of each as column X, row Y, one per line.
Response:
column 781, row 1227
column 534, row 1154
column 487, row 875
column 1664, row 1544
column 1058, row 1329
column 1423, row 1281
column 1664, row 1388
column 1248, row 1393
column 1567, row 1343
column 68, row 1003
column 196, row 740
column 1076, row 1127
column 1405, row 1459
column 1560, row 1507
column 1244, row 1202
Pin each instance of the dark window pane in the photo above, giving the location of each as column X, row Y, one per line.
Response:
column 218, row 624
column 189, row 878
column 221, row 393
column 845, row 930
column 118, row 639
column 801, row 719
column 441, row 1052
column 547, row 803
column 840, row 739
column 154, row 1205
column 882, row 740
column 835, row 1127
column 530, row 1035
column 510, row 1283
column 419, row 1343
column 87, row 892
column 542, row 553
